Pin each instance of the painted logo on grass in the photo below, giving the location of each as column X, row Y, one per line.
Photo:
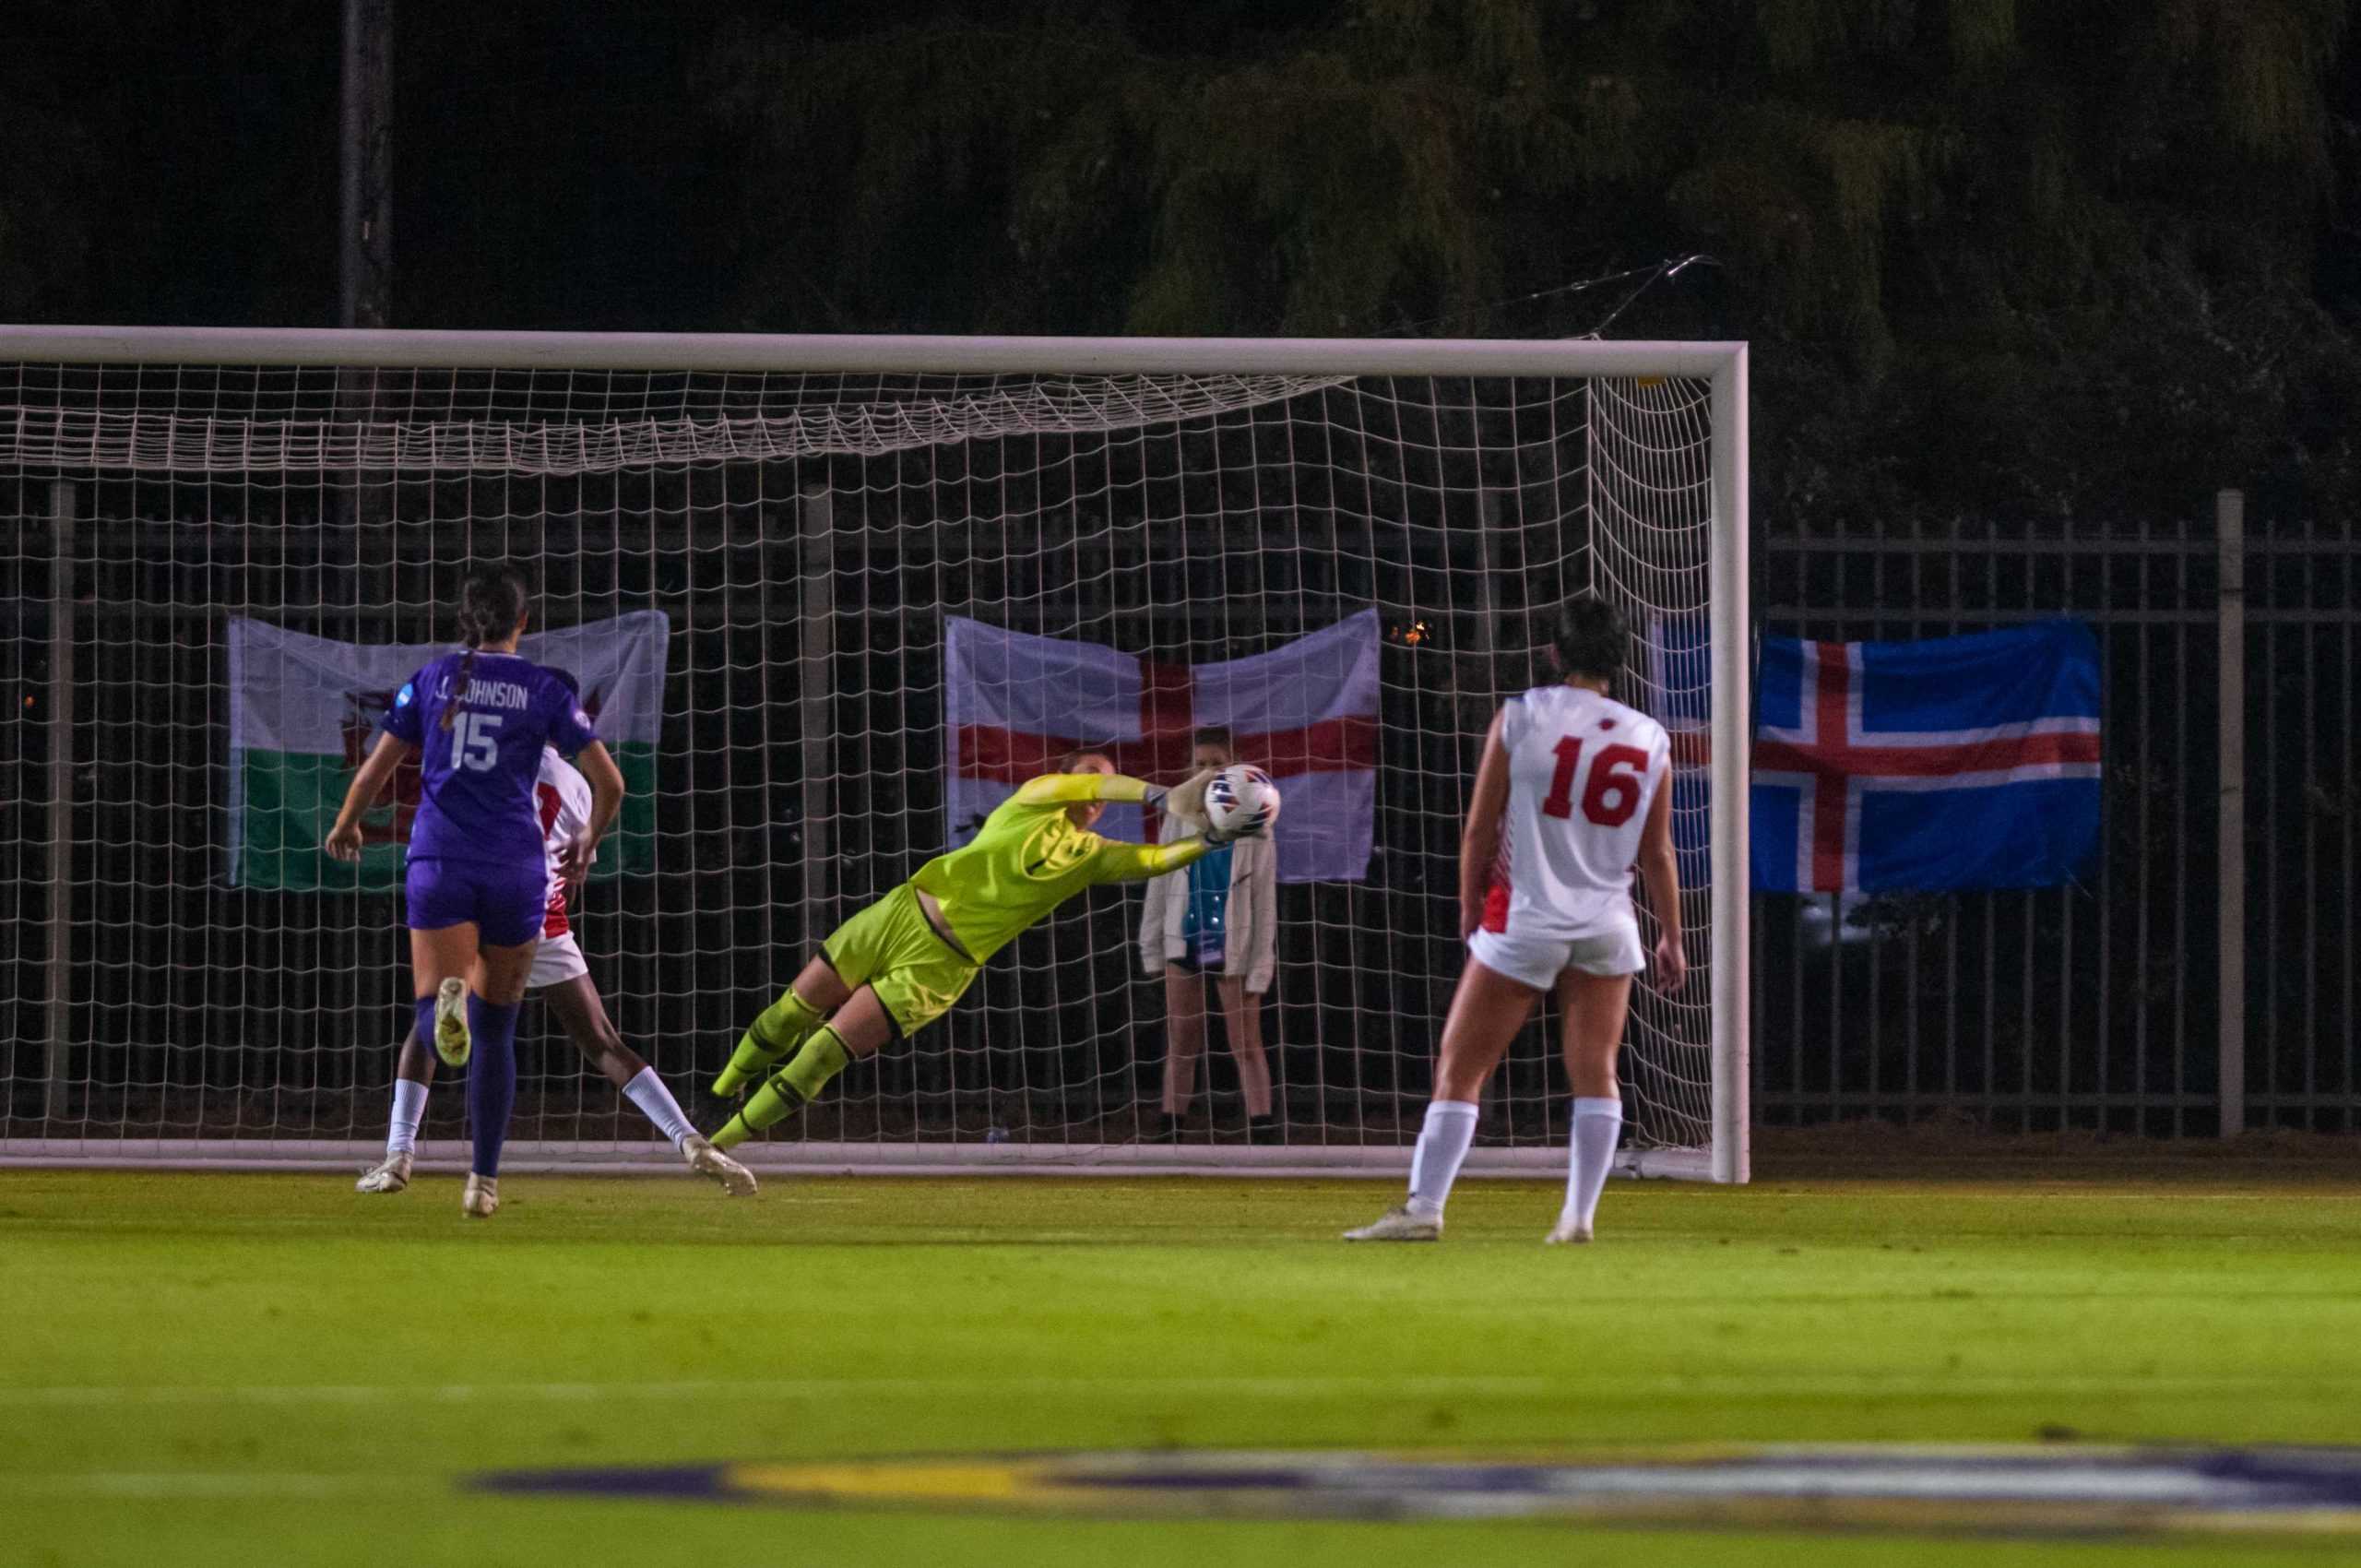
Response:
column 2017, row 1490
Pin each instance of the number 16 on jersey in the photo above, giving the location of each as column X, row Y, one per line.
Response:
column 1612, row 793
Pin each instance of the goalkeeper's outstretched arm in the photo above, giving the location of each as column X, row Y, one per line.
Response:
column 1080, row 789
column 1115, row 862
column 1136, row 862
column 1186, row 799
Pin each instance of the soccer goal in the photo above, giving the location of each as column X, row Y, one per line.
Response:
column 829, row 597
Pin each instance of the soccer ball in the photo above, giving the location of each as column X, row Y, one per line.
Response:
column 1240, row 790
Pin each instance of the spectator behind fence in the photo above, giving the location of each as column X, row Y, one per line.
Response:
column 1218, row 918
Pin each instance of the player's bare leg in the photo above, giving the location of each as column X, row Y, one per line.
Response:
column 1184, row 1042
column 1595, row 1008
column 783, row 1027
column 584, row 1016
column 1486, row 1012
column 861, row 1027
column 1242, row 1029
column 413, row 1075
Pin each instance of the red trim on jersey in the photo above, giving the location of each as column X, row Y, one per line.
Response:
column 1496, row 903
column 554, row 923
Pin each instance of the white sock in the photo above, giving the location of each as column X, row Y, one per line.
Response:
column 648, row 1092
column 1598, row 1124
column 1434, row 1164
column 410, row 1109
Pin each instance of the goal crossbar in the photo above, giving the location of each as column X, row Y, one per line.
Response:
column 848, row 353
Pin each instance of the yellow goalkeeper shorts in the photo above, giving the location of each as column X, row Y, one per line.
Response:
column 890, row 948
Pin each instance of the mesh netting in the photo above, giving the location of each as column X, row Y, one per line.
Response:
column 792, row 553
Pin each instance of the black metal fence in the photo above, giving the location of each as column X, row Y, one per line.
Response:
column 2100, row 1004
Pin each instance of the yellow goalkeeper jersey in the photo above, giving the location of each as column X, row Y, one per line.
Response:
column 1030, row 859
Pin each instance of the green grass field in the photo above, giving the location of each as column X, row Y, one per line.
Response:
column 268, row 1369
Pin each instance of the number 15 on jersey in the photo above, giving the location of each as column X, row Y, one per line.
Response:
column 475, row 742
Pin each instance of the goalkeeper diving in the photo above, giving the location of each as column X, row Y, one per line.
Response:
column 899, row 965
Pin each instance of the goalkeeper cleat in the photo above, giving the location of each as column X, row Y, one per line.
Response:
column 707, row 1161
column 389, row 1175
column 482, row 1200
column 452, row 1041
column 1398, row 1224
column 1570, row 1231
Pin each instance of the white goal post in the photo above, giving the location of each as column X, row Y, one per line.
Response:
column 772, row 542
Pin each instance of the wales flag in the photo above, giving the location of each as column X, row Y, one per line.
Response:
column 304, row 711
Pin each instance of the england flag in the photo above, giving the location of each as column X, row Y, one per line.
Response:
column 1305, row 712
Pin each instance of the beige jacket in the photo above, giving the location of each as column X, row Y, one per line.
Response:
column 1253, row 915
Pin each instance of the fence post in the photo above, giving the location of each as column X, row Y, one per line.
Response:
column 365, row 164
column 2229, row 524
column 61, row 799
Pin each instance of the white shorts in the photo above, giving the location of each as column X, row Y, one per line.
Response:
column 1609, row 947
column 557, row 960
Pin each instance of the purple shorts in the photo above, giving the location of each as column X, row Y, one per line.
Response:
column 506, row 901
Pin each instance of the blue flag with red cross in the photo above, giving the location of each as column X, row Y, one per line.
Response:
column 1948, row 765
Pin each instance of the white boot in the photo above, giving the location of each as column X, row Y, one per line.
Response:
column 1398, row 1224
column 707, row 1161
column 388, row 1175
column 481, row 1199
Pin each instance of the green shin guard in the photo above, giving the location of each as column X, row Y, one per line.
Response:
column 822, row 1057
column 792, row 1088
column 777, row 1029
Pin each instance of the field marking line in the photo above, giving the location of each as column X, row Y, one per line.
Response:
column 1852, row 1384
column 192, row 1486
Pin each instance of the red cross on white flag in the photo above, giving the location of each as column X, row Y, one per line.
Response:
column 1305, row 712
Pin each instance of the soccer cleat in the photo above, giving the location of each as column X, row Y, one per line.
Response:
column 452, row 1041
column 707, row 1161
column 482, row 1200
column 388, row 1175
column 1570, row 1231
column 1398, row 1224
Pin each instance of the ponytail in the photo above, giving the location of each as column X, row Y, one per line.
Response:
column 491, row 601
column 458, row 690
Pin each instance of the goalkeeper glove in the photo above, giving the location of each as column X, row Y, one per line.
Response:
column 1254, row 826
column 1186, row 800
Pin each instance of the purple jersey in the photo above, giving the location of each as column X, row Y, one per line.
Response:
column 476, row 777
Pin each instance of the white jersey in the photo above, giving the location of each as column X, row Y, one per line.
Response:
column 1584, row 770
column 562, row 797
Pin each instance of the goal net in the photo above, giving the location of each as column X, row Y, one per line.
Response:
column 830, row 598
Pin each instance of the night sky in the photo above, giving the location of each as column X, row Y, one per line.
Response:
column 2109, row 238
